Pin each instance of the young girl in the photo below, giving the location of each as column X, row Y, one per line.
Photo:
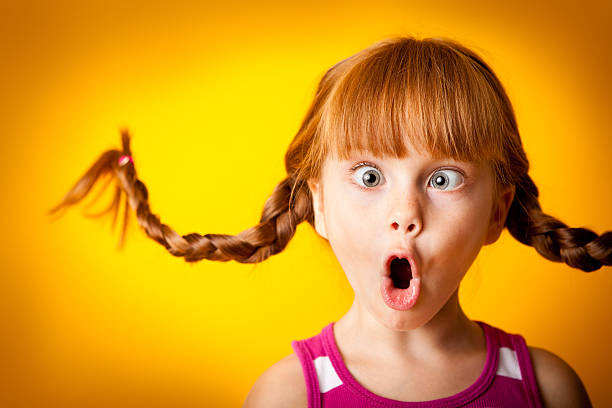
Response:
column 408, row 161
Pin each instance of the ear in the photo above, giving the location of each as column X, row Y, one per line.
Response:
column 499, row 213
column 317, row 206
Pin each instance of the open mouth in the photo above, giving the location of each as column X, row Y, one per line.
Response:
column 400, row 286
column 401, row 273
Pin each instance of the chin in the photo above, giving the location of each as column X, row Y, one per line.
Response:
column 401, row 320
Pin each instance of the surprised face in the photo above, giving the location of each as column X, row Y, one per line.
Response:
column 435, row 213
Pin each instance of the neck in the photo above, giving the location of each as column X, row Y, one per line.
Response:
column 446, row 334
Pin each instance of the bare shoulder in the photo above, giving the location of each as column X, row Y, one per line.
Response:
column 557, row 381
column 281, row 385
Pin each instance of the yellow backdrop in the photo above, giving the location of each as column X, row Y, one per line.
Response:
column 212, row 94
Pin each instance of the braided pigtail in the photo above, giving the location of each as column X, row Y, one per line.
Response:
column 289, row 205
column 578, row 247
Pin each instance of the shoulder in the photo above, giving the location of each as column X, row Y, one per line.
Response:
column 557, row 381
column 281, row 385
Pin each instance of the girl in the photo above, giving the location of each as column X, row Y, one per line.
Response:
column 408, row 161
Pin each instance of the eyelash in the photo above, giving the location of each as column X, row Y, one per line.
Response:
column 362, row 164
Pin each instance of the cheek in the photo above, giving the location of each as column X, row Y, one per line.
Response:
column 349, row 231
column 347, row 225
column 349, row 216
column 464, row 224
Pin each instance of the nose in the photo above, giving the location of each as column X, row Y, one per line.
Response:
column 406, row 216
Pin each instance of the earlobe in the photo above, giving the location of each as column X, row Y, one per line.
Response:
column 317, row 206
column 498, row 214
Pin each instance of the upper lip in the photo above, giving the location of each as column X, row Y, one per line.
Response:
column 405, row 255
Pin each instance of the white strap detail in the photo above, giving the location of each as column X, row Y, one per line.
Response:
column 328, row 378
column 508, row 364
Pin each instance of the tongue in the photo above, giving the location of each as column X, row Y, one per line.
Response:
column 401, row 273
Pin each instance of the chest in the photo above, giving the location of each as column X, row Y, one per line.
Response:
column 418, row 382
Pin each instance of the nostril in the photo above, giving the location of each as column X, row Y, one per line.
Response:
column 410, row 228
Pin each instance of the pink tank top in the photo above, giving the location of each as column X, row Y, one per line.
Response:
column 507, row 379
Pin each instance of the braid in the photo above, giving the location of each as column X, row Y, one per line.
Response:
column 578, row 247
column 289, row 205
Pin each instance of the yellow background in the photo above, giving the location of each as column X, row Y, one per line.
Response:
column 212, row 94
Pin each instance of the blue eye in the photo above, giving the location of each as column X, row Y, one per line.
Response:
column 444, row 178
column 368, row 176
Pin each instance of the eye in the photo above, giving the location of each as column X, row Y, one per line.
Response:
column 367, row 176
column 444, row 178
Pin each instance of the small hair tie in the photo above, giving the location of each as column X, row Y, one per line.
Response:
column 124, row 159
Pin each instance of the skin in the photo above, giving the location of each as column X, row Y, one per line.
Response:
column 444, row 227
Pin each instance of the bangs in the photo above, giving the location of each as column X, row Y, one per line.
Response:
column 406, row 94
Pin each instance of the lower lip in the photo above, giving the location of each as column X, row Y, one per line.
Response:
column 400, row 299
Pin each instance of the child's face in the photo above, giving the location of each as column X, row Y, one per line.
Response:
column 440, row 211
